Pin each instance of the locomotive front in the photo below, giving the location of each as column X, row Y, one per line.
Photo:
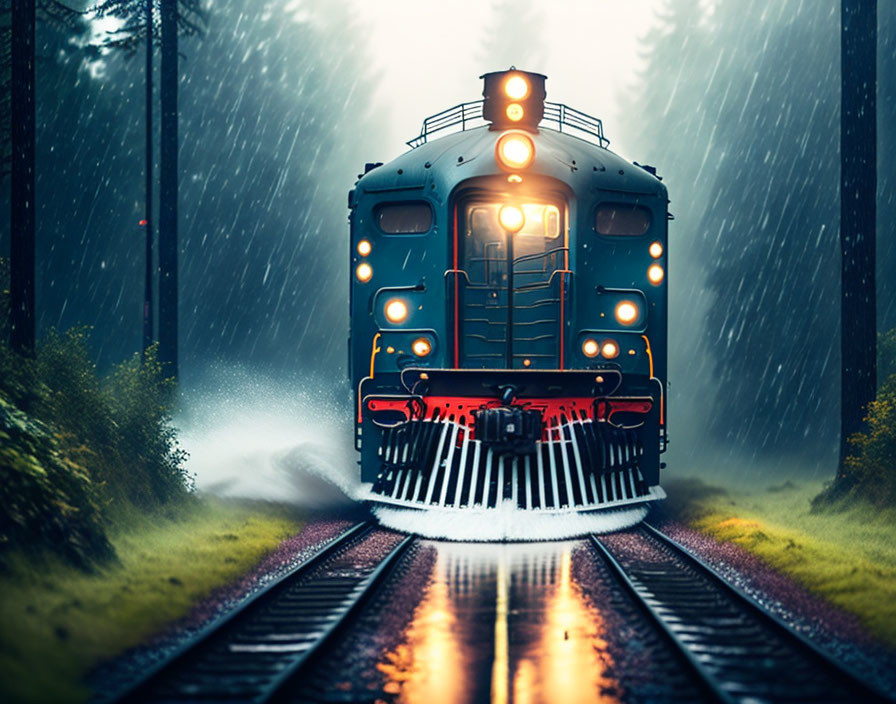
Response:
column 508, row 314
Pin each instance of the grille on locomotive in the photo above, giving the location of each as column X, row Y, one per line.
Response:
column 508, row 312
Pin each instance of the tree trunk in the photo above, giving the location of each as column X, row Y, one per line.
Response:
column 858, row 190
column 168, row 192
column 147, row 219
column 22, row 215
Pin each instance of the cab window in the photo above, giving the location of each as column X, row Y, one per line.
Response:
column 404, row 218
column 622, row 219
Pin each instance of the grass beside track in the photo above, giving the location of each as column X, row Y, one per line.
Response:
column 59, row 622
column 846, row 556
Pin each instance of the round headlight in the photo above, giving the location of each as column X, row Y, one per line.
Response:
column 364, row 248
column 516, row 88
column 364, row 272
column 421, row 347
column 590, row 348
column 656, row 274
column 515, row 150
column 656, row 250
column 511, row 218
column 609, row 349
column 396, row 310
column 626, row 312
column 515, row 112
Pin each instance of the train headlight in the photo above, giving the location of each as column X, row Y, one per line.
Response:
column 590, row 348
column 396, row 310
column 609, row 349
column 421, row 347
column 516, row 87
column 656, row 274
column 364, row 248
column 656, row 250
column 515, row 151
column 364, row 272
column 626, row 313
column 511, row 218
column 515, row 112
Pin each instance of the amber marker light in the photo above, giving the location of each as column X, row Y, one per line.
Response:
column 590, row 348
column 364, row 272
column 626, row 313
column 421, row 347
column 364, row 248
column 656, row 250
column 656, row 274
column 609, row 349
column 515, row 151
column 516, row 87
column 396, row 310
column 515, row 112
column 511, row 218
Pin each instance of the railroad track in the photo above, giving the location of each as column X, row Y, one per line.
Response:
column 735, row 649
column 261, row 649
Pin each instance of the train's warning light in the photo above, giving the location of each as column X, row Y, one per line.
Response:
column 516, row 87
column 421, row 347
column 590, row 348
column 626, row 312
column 514, row 178
column 511, row 218
column 515, row 151
column 143, row 223
column 656, row 274
column 396, row 310
column 656, row 250
column 364, row 248
column 609, row 349
column 364, row 272
column 513, row 98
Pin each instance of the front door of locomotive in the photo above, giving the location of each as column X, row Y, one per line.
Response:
column 510, row 296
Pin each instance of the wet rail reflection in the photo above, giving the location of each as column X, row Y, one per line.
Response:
column 501, row 623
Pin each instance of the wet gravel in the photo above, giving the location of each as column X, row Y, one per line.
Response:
column 646, row 668
column 113, row 676
column 835, row 631
column 350, row 670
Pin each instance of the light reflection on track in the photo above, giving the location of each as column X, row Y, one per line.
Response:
column 501, row 623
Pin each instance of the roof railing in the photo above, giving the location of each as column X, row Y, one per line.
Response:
column 469, row 115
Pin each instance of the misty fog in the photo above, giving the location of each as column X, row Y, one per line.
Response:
column 736, row 102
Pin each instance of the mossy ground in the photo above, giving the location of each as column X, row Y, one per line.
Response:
column 59, row 621
column 847, row 556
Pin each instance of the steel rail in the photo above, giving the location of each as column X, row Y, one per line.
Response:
column 826, row 660
column 706, row 681
column 652, row 601
column 290, row 675
column 140, row 688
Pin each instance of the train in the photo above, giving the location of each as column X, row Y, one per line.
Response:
column 509, row 314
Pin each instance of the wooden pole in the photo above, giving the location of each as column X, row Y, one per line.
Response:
column 22, row 215
column 858, row 191
column 168, row 192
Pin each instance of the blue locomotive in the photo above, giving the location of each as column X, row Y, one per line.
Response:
column 509, row 313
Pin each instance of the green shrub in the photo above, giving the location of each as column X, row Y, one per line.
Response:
column 869, row 472
column 75, row 445
column 48, row 498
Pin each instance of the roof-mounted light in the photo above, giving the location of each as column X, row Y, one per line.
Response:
column 515, row 151
column 513, row 99
column 516, row 87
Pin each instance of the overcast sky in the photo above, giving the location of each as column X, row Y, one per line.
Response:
column 429, row 54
